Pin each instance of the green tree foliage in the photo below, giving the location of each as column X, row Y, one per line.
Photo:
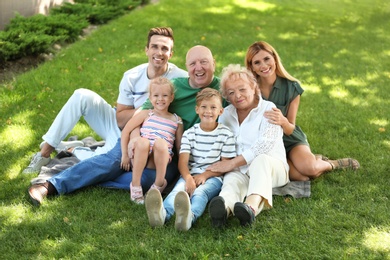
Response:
column 33, row 35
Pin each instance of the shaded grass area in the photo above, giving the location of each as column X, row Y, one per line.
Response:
column 340, row 52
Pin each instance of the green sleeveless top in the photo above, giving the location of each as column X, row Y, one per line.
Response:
column 283, row 92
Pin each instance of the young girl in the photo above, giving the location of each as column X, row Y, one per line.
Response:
column 159, row 130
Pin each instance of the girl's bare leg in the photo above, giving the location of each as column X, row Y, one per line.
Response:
column 161, row 159
column 141, row 154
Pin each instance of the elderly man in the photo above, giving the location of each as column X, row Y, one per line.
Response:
column 105, row 120
column 106, row 167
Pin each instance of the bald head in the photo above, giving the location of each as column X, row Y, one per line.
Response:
column 200, row 65
column 198, row 50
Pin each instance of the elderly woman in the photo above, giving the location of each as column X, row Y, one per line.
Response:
column 261, row 162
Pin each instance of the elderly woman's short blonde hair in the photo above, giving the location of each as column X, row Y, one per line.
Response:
column 234, row 72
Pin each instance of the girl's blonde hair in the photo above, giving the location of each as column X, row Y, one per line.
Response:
column 159, row 82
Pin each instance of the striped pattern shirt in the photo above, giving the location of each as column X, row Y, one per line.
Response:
column 159, row 127
column 206, row 148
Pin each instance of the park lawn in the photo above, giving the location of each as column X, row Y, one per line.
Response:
column 339, row 50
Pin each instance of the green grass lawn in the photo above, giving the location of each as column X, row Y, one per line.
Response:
column 339, row 50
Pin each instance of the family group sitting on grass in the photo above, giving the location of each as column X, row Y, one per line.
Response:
column 235, row 136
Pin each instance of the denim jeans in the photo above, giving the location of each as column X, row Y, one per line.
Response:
column 104, row 169
column 199, row 199
column 99, row 115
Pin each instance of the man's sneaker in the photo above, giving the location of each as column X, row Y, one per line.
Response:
column 37, row 193
column 65, row 145
column 36, row 163
column 218, row 212
column 183, row 211
column 154, row 208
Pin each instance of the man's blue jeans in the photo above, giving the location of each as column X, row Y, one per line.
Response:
column 199, row 199
column 104, row 170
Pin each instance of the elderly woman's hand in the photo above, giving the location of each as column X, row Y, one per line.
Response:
column 222, row 166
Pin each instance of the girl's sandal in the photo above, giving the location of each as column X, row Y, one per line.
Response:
column 161, row 189
column 136, row 194
column 346, row 163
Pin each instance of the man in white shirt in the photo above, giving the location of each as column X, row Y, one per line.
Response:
column 105, row 120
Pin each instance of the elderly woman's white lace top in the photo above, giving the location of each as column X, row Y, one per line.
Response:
column 255, row 135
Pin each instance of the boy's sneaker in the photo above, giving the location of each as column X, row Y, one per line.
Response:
column 183, row 211
column 65, row 145
column 36, row 163
column 154, row 208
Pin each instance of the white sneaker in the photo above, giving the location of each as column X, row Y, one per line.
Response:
column 65, row 145
column 183, row 220
column 36, row 163
column 154, row 208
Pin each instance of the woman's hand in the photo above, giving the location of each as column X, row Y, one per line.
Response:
column 275, row 116
column 222, row 166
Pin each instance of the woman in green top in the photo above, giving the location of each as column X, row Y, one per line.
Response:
column 278, row 86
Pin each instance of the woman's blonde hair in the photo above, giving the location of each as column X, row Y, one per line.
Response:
column 232, row 72
column 262, row 45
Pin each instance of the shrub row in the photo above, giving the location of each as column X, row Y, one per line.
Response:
column 34, row 35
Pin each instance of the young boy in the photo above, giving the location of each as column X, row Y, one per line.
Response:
column 201, row 145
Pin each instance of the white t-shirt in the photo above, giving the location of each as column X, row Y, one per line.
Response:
column 133, row 89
